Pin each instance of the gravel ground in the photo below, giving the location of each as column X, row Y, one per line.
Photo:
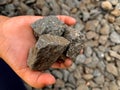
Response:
column 98, row 67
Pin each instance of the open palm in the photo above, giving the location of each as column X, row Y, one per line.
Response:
column 16, row 38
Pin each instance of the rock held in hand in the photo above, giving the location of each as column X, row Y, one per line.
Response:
column 46, row 51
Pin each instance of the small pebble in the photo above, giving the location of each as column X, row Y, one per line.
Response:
column 72, row 68
column 103, row 39
column 57, row 74
column 59, row 83
column 115, row 37
column 111, row 18
column 91, row 25
column 105, row 30
column 88, row 51
column 96, row 73
column 77, row 74
column 113, row 86
column 87, row 76
column 82, row 87
column 114, row 2
column 111, row 68
column 115, row 12
column 99, row 80
column 106, row 5
column 71, row 79
column 114, row 54
column 80, row 59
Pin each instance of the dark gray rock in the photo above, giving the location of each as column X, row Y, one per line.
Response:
column 57, row 38
column 57, row 74
column 76, row 42
column 48, row 25
column 65, row 75
column 46, row 51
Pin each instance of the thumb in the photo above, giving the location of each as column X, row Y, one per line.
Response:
column 35, row 78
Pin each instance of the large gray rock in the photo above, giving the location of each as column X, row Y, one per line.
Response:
column 56, row 40
column 50, row 25
column 46, row 51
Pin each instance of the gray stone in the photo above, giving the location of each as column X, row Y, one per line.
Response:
column 80, row 82
column 77, row 74
column 105, row 88
column 87, row 76
column 99, row 80
column 80, row 59
column 109, row 76
column 10, row 8
column 100, row 54
column 103, row 39
column 65, row 75
column 30, row 1
column 55, row 7
column 70, row 85
column 74, row 50
column 37, row 60
column 72, row 68
column 79, row 26
column 114, row 54
column 40, row 3
column 96, row 73
column 82, row 87
column 115, row 37
column 49, row 25
column 59, row 83
column 88, row 51
column 71, row 79
column 76, row 42
column 57, row 74
column 91, row 25
column 101, row 65
column 86, row 16
column 113, row 86
column 92, row 84
column 114, row 2
column 111, row 68
column 118, row 5
column 94, row 61
column 92, row 35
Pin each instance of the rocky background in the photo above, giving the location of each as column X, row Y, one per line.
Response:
column 98, row 67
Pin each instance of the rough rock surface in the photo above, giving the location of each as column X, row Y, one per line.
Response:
column 50, row 25
column 53, row 37
column 46, row 51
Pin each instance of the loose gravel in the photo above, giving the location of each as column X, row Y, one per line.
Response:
column 98, row 67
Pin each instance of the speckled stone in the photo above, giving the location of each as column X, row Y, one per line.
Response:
column 37, row 60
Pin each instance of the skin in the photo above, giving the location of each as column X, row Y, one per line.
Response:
column 16, row 38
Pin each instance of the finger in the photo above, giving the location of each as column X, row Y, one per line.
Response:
column 67, row 19
column 30, row 19
column 36, row 79
column 66, row 64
